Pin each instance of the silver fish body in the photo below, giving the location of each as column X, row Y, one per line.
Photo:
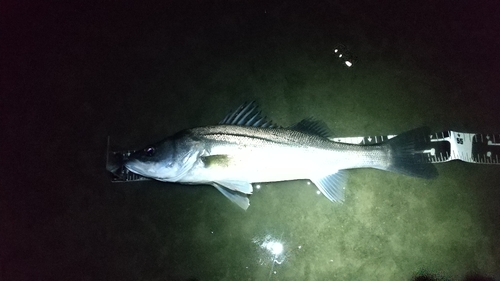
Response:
column 228, row 152
column 232, row 156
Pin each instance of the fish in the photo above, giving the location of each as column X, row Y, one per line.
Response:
column 246, row 148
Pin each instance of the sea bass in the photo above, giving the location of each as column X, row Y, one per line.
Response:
column 246, row 148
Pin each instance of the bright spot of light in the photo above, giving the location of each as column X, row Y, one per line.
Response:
column 274, row 247
column 257, row 186
column 308, row 183
column 318, row 192
column 274, row 250
column 348, row 63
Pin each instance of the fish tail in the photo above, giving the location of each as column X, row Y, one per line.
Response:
column 407, row 157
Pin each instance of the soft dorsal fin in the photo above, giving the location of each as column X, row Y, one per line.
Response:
column 248, row 114
column 312, row 126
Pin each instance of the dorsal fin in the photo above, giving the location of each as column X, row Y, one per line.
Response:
column 247, row 114
column 311, row 126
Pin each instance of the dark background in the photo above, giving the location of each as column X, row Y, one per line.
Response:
column 74, row 72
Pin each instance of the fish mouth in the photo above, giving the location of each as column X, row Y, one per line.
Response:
column 142, row 169
column 133, row 166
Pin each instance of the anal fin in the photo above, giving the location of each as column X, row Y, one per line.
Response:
column 332, row 186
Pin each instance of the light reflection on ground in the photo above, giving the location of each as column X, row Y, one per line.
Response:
column 272, row 251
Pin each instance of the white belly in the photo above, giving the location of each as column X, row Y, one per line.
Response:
column 269, row 165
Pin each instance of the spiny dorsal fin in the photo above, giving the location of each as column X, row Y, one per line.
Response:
column 312, row 126
column 247, row 114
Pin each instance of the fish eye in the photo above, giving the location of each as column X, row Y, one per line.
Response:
column 150, row 151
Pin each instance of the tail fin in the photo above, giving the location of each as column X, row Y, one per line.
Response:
column 406, row 151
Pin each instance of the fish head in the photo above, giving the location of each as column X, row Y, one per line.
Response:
column 168, row 160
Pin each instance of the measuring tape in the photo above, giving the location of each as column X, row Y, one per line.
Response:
column 449, row 145
column 445, row 146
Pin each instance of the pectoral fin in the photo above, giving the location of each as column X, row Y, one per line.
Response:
column 237, row 198
column 332, row 186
